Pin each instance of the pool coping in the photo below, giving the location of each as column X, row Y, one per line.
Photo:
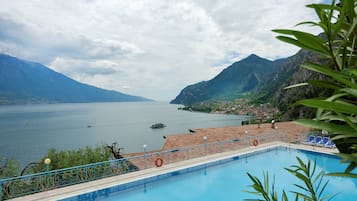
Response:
column 74, row 190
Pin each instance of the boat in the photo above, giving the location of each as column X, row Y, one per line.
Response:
column 157, row 125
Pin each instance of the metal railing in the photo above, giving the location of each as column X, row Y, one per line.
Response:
column 39, row 182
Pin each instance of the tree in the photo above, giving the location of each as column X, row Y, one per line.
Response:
column 82, row 156
column 8, row 168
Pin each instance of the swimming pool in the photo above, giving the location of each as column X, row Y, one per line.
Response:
column 226, row 179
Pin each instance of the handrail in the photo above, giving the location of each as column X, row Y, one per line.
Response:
column 43, row 181
column 69, row 168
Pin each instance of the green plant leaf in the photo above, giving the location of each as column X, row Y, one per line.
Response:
column 337, row 129
column 285, row 197
column 283, row 31
column 353, row 72
column 340, row 174
column 324, row 7
column 336, row 96
column 324, row 84
column 304, row 43
column 341, row 107
column 309, row 23
column 330, row 117
column 348, row 121
column 291, row 41
column 339, row 76
column 311, row 41
column 350, row 91
column 296, row 85
column 345, row 137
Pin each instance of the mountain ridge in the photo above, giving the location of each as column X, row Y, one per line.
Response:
column 232, row 82
column 26, row 82
column 272, row 88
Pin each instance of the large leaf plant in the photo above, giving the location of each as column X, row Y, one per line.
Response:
column 337, row 114
column 337, row 49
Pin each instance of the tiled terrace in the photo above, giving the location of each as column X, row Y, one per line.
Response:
column 171, row 151
column 293, row 131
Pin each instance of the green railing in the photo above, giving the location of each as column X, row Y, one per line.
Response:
column 33, row 183
column 39, row 182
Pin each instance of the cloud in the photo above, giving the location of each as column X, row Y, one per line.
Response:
column 46, row 44
column 72, row 67
column 10, row 30
column 151, row 48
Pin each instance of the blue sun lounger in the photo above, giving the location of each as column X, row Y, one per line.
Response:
column 330, row 144
column 318, row 140
column 309, row 140
column 323, row 142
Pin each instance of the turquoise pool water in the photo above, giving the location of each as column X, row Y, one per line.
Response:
column 227, row 179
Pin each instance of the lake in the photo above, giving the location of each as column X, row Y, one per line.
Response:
column 28, row 131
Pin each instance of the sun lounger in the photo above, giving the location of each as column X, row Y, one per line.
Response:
column 330, row 144
column 309, row 140
column 317, row 140
column 323, row 142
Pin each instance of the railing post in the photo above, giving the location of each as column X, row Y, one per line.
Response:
column 47, row 163
column 247, row 138
column 144, row 146
column 205, row 144
column 87, row 176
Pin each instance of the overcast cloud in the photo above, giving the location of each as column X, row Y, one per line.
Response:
column 150, row 48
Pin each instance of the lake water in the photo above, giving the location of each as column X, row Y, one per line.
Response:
column 28, row 131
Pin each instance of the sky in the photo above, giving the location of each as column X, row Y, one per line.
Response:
column 149, row 48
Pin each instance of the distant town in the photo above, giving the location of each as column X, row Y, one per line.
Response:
column 261, row 112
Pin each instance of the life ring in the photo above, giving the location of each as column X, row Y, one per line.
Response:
column 255, row 142
column 159, row 162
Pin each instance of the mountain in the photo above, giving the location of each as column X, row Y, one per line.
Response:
column 287, row 74
column 233, row 82
column 262, row 81
column 282, row 77
column 24, row 82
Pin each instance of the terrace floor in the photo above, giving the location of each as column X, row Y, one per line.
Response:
column 293, row 131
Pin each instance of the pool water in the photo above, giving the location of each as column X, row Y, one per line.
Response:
column 227, row 180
